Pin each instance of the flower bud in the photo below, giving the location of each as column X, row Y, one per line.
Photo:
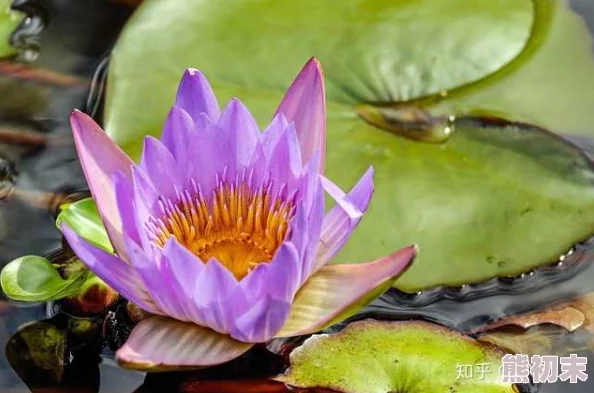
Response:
column 94, row 297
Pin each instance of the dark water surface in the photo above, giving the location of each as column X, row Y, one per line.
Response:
column 64, row 42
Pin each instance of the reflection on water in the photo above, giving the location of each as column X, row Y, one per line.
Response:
column 38, row 169
column 35, row 101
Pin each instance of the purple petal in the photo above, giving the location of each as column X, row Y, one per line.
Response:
column 202, row 122
column 264, row 149
column 218, row 316
column 207, row 157
column 241, row 130
column 299, row 235
column 342, row 220
column 285, row 164
column 175, row 133
column 181, row 269
column 125, row 201
column 148, row 266
column 212, row 291
column 258, row 167
column 316, row 216
column 279, row 279
column 195, row 96
column 144, row 204
column 162, row 344
column 262, row 321
column 100, row 158
column 185, row 266
column 320, row 302
column 215, row 282
column 305, row 231
column 160, row 166
column 273, row 132
column 116, row 273
column 305, row 105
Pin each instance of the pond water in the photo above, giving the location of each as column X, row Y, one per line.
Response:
column 65, row 45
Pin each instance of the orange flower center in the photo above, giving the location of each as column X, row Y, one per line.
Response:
column 240, row 227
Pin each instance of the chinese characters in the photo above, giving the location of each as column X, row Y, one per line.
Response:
column 519, row 368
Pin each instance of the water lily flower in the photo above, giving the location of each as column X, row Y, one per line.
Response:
column 220, row 232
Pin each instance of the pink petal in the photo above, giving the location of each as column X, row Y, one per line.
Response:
column 162, row 344
column 343, row 219
column 305, row 105
column 336, row 291
column 101, row 158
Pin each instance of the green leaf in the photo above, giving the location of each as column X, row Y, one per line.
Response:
column 34, row 279
column 378, row 50
column 553, row 84
column 84, row 219
column 381, row 357
column 489, row 201
column 9, row 20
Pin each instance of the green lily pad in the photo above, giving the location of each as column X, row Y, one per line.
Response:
column 9, row 20
column 34, row 279
column 490, row 201
column 373, row 51
column 83, row 217
column 487, row 203
column 405, row 357
column 552, row 86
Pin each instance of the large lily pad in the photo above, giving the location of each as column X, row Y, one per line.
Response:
column 491, row 201
column 378, row 50
column 405, row 357
column 552, row 85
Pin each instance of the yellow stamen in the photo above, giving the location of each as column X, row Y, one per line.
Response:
column 239, row 226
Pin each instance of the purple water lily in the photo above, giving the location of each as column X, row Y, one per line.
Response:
column 220, row 231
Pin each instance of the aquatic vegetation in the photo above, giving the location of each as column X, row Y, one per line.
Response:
column 453, row 110
column 56, row 354
column 32, row 278
column 396, row 357
column 39, row 346
column 220, row 230
column 9, row 20
column 488, row 201
column 546, row 328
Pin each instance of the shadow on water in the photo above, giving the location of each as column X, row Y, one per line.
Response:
column 62, row 43
column 62, row 66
